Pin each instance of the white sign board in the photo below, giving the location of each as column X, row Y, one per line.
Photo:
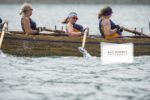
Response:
column 116, row 53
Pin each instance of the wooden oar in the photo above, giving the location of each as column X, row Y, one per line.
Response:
column 48, row 34
column 82, row 49
column 57, row 31
column 54, row 32
column 135, row 32
column 2, row 38
column 2, row 34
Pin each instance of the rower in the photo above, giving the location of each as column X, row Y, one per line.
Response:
column 107, row 27
column 73, row 29
column 2, row 24
column 28, row 25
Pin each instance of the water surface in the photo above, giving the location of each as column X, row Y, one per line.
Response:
column 73, row 78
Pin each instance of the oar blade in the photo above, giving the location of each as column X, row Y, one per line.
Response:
column 2, row 54
column 84, row 52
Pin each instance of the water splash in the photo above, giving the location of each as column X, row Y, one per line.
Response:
column 84, row 52
column 2, row 54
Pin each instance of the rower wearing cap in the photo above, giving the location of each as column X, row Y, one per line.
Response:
column 107, row 27
column 73, row 29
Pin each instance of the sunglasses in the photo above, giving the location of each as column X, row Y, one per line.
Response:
column 30, row 9
column 75, row 18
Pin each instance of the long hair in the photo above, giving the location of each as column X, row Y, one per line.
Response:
column 106, row 11
column 65, row 21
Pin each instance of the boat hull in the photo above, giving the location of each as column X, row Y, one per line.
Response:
column 52, row 45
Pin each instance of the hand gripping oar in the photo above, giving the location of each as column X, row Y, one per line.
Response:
column 135, row 32
column 82, row 49
column 2, row 38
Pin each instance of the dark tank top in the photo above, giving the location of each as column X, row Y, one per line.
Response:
column 78, row 27
column 32, row 24
column 0, row 20
column 113, row 26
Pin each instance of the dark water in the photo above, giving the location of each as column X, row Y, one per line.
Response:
column 73, row 78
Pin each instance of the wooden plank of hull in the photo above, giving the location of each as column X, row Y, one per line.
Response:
column 44, row 45
column 22, row 45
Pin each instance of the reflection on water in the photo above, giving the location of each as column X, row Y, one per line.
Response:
column 47, row 15
column 73, row 78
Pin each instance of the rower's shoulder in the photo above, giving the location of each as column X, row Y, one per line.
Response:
column 69, row 25
column 25, row 18
column 105, row 21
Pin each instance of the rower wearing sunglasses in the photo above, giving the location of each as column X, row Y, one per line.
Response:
column 73, row 29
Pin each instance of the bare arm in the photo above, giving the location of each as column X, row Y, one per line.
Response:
column 27, row 28
column 71, row 32
column 107, row 28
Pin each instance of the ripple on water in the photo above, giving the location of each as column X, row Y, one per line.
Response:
column 73, row 78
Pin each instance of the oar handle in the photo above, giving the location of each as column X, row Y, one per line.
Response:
column 84, row 38
column 134, row 32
